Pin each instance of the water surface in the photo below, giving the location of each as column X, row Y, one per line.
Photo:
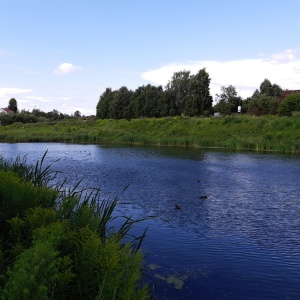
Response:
column 241, row 242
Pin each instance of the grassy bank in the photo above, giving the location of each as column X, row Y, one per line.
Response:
column 59, row 244
column 239, row 132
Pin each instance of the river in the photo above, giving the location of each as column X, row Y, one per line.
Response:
column 237, row 234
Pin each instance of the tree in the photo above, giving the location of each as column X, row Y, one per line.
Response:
column 38, row 113
column 266, row 87
column 153, row 101
column 276, row 90
column 77, row 114
column 138, row 102
column 265, row 100
column 53, row 115
column 269, row 89
column 228, row 94
column 228, row 100
column 171, row 108
column 223, row 108
column 103, row 104
column 179, row 86
column 12, row 105
column 119, row 106
column 183, row 94
column 255, row 93
column 262, row 104
column 199, row 100
column 290, row 104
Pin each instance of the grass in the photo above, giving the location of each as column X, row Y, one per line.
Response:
column 58, row 243
column 237, row 132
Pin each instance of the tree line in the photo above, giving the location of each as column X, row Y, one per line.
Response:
column 35, row 116
column 184, row 94
column 188, row 95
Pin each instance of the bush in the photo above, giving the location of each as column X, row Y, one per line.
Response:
column 290, row 104
column 262, row 104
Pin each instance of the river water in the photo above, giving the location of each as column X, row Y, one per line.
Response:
column 237, row 234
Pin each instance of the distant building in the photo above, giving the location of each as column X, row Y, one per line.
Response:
column 286, row 93
column 5, row 111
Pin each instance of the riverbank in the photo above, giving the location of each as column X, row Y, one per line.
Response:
column 238, row 132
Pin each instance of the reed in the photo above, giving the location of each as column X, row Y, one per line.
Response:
column 63, row 243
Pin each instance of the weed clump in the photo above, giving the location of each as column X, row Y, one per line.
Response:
column 58, row 243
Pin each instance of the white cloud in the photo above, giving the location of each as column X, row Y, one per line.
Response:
column 66, row 68
column 246, row 75
column 42, row 99
column 284, row 56
column 13, row 91
column 7, row 93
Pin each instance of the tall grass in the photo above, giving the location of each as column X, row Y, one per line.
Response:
column 237, row 132
column 59, row 243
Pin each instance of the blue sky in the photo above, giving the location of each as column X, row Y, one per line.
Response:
column 62, row 54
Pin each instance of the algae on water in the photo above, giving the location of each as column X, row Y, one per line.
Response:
column 172, row 279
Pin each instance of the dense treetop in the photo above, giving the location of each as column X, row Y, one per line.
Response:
column 188, row 95
column 184, row 94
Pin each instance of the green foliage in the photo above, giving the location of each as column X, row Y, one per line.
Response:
column 146, row 101
column 8, row 119
column 265, row 100
column 77, row 114
column 102, row 109
column 228, row 100
column 290, row 105
column 36, row 174
column 199, row 99
column 224, row 108
column 262, row 104
column 184, row 94
column 59, row 243
column 149, row 101
column 17, row 196
column 296, row 114
column 26, row 117
column 179, row 86
column 37, row 271
column 168, row 131
column 269, row 89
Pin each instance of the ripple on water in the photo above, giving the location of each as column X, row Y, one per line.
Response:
column 241, row 242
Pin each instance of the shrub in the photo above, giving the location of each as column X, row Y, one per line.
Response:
column 262, row 104
column 290, row 104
